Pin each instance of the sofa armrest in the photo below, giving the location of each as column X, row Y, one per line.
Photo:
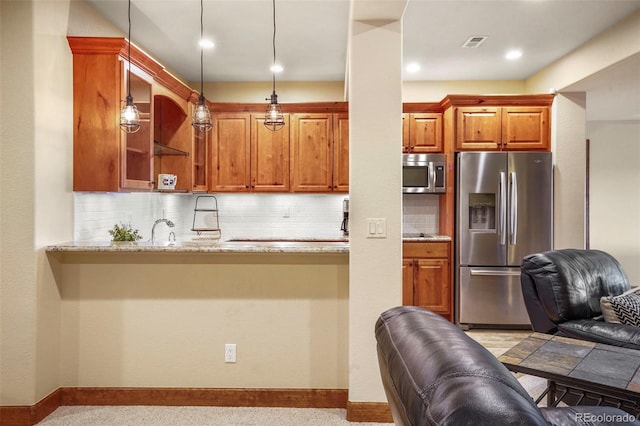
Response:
column 626, row 336
column 593, row 416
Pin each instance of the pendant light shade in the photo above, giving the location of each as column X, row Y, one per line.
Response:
column 202, row 116
column 129, row 116
column 274, row 120
column 201, row 120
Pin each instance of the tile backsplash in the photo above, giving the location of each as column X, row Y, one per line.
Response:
column 420, row 213
column 240, row 215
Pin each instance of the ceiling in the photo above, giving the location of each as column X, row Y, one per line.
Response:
column 312, row 36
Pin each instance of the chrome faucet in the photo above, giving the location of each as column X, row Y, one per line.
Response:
column 153, row 230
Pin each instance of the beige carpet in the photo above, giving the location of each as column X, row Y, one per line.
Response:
column 197, row 416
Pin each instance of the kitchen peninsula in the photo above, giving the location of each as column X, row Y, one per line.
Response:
column 129, row 311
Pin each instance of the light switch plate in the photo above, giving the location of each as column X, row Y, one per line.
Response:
column 376, row 228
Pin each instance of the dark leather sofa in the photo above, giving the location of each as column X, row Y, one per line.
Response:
column 434, row 374
column 562, row 291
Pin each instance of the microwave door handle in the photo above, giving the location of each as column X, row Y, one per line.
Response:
column 432, row 177
column 502, row 209
column 513, row 209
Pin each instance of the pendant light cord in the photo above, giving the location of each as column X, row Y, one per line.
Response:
column 274, row 46
column 129, row 53
column 201, row 49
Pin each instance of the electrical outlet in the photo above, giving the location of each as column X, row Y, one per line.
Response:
column 230, row 352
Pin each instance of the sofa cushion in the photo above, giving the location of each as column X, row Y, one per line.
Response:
column 626, row 336
column 622, row 309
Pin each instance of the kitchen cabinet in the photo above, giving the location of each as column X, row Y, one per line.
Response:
column 246, row 156
column 230, row 153
column 492, row 128
column 173, row 138
column 319, row 152
column 269, row 156
column 426, row 276
column 200, row 162
column 422, row 133
column 104, row 157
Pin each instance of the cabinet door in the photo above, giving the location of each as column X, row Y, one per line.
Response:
column 230, row 167
column 341, row 152
column 200, row 163
column 405, row 133
column 311, row 169
column 431, row 285
column 269, row 156
column 525, row 128
column 407, row 281
column 425, row 133
column 137, row 155
column 478, row 128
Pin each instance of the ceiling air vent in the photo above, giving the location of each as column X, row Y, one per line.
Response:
column 474, row 41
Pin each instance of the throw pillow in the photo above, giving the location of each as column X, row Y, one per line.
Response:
column 622, row 309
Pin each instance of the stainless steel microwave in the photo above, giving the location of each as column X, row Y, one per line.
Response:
column 424, row 173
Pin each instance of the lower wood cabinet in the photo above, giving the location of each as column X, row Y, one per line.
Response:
column 426, row 276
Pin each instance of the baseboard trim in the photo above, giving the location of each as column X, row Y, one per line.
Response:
column 227, row 397
column 21, row 415
column 372, row 412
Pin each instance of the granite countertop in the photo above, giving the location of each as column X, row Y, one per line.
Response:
column 238, row 245
column 427, row 238
column 233, row 245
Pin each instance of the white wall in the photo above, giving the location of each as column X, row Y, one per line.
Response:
column 615, row 192
column 36, row 207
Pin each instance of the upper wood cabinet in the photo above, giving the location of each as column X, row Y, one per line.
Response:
column 230, row 153
column 422, row 132
column 200, row 155
column 502, row 128
column 104, row 157
column 319, row 152
column 246, row 156
column 341, row 152
column 173, row 138
column 269, row 156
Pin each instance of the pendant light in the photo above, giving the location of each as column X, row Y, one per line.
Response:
column 129, row 116
column 201, row 120
column 274, row 120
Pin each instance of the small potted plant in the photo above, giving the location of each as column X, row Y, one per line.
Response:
column 124, row 232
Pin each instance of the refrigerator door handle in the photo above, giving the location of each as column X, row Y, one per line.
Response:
column 493, row 273
column 513, row 219
column 502, row 215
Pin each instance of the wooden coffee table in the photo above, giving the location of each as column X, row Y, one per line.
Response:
column 579, row 372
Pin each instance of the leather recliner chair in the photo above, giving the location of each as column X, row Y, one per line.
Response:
column 562, row 291
column 434, row 374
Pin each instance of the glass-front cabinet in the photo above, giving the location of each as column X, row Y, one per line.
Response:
column 106, row 158
column 137, row 165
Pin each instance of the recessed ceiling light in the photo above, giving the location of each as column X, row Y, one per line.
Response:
column 512, row 55
column 205, row 43
column 412, row 67
column 276, row 68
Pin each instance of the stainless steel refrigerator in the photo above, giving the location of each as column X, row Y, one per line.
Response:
column 504, row 206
